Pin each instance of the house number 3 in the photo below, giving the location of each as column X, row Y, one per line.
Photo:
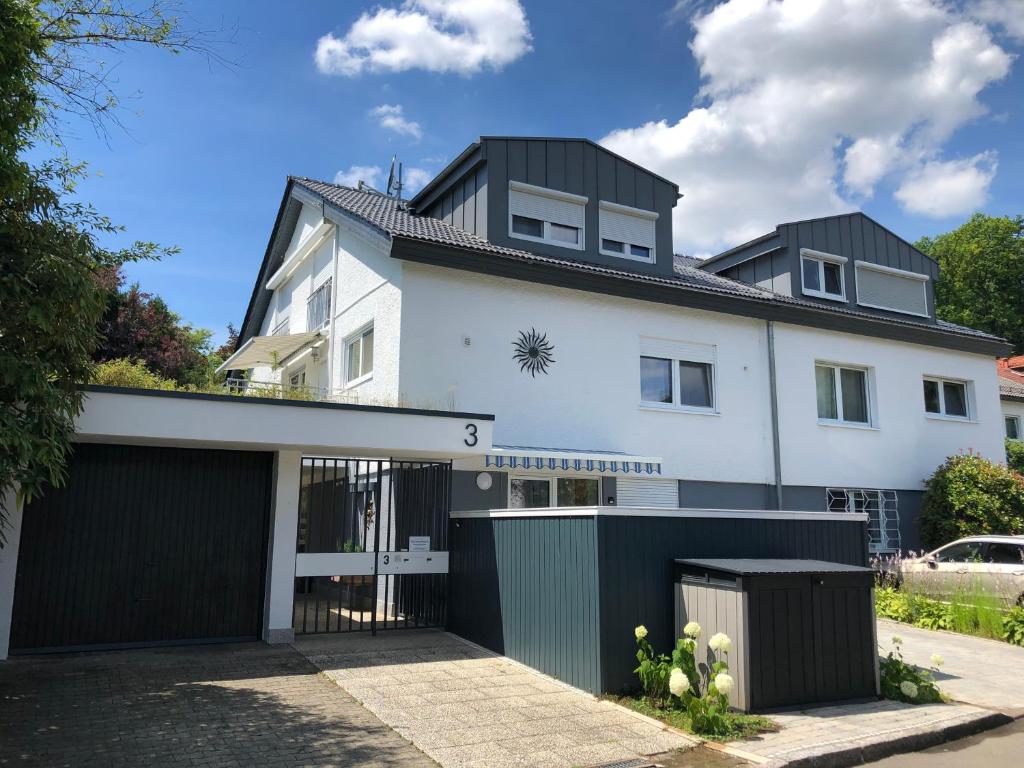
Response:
column 472, row 439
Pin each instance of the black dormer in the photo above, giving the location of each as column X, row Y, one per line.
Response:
column 849, row 260
column 565, row 198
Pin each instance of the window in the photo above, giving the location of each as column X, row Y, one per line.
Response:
column 822, row 274
column 359, row 356
column 963, row 552
column 943, row 397
column 895, row 290
column 539, row 492
column 842, row 394
column 882, row 510
column 627, row 233
column 1005, row 554
column 690, row 386
column 318, row 307
column 546, row 215
column 1013, row 427
column 297, row 380
column 281, row 329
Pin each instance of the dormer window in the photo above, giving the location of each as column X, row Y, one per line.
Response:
column 627, row 233
column 546, row 215
column 822, row 274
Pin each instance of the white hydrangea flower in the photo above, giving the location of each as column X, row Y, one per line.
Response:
column 937, row 660
column 692, row 629
column 720, row 643
column 678, row 683
column 724, row 683
column 640, row 632
column 908, row 689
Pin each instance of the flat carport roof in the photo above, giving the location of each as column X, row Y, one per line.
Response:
column 157, row 417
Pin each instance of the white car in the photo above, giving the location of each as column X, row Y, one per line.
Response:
column 992, row 565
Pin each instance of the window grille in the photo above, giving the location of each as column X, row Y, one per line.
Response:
column 318, row 308
column 882, row 509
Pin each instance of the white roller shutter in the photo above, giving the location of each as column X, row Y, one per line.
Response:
column 627, row 228
column 647, row 492
column 546, row 208
column 891, row 289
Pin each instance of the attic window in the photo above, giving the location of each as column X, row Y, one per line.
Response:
column 822, row 274
column 896, row 290
column 546, row 215
column 627, row 233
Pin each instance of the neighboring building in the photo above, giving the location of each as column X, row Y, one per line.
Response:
column 535, row 279
column 1011, row 394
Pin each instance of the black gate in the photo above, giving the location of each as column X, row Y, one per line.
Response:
column 372, row 545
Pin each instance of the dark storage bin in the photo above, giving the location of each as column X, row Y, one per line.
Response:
column 803, row 631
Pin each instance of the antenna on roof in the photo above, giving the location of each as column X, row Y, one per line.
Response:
column 394, row 187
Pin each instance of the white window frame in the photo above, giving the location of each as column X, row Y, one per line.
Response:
column 299, row 372
column 820, row 257
column 327, row 290
column 554, row 194
column 968, row 398
column 349, row 341
column 868, row 395
column 552, row 481
column 858, row 265
column 1007, row 417
column 675, row 353
column 282, row 327
column 626, row 210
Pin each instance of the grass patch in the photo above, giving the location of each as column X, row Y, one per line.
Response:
column 967, row 613
column 741, row 726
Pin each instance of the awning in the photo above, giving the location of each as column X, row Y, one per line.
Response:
column 269, row 350
column 570, row 460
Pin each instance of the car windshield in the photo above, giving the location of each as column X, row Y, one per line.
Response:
column 961, row 552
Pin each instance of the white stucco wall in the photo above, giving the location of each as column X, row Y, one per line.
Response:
column 591, row 397
column 904, row 445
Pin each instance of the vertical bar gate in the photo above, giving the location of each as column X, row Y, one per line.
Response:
column 372, row 548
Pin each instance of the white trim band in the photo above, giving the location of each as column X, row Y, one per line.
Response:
column 833, row 257
column 554, row 194
column 891, row 270
column 628, row 210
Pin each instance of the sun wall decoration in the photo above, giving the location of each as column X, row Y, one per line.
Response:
column 533, row 352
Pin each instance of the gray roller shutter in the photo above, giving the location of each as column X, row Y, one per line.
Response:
column 647, row 492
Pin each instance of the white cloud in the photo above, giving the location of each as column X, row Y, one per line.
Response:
column 413, row 178
column 391, row 117
column 947, row 188
column 462, row 36
column 371, row 174
column 1008, row 14
column 806, row 107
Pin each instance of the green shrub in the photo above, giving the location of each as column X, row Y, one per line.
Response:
column 905, row 682
column 1015, row 455
column 1013, row 626
column 653, row 670
column 129, row 373
column 969, row 496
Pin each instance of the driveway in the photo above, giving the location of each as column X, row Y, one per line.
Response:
column 226, row 705
column 985, row 673
column 469, row 708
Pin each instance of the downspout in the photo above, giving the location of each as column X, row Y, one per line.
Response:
column 331, row 342
column 773, row 394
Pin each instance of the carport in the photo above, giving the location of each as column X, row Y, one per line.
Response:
column 179, row 523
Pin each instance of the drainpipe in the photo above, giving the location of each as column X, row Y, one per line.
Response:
column 331, row 342
column 773, row 394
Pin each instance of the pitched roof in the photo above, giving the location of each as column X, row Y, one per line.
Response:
column 391, row 217
column 1011, row 382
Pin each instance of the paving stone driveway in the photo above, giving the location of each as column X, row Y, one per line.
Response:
column 469, row 708
column 229, row 705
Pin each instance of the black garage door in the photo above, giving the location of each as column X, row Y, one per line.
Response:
column 145, row 546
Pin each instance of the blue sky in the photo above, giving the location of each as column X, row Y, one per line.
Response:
column 913, row 115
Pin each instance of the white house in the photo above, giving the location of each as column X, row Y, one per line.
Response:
column 535, row 279
column 1011, row 393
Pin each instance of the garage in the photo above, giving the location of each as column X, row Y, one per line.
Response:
column 145, row 546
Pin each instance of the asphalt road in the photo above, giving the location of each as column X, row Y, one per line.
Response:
column 999, row 748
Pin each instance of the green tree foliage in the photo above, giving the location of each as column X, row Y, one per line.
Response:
column 981, row 281
column 129, row 373
column 139, row 326
column 51, row 284
column 1015, row 455
column 969, row 496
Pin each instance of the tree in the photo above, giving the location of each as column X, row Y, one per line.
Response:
column 51, row 285
column 981, row 282
column 139, row 326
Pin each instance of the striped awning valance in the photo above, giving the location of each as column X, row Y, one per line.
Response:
column 570, row 460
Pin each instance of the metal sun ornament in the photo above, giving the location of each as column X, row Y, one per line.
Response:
column 533, row 352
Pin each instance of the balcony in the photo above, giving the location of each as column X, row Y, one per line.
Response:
column 245, row 388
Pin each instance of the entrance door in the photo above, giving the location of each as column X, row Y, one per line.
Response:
column 372, row 550
column 144, row 546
